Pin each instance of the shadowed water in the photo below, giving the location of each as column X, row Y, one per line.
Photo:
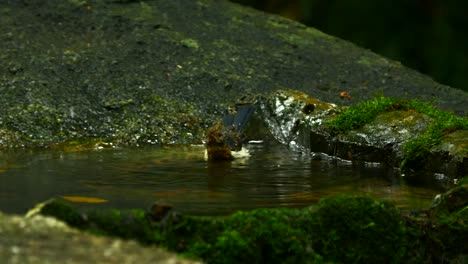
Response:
column 134, row 178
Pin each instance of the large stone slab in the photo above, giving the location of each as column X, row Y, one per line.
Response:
column 150, row 72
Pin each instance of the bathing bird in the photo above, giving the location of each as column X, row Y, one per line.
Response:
column 224, row 140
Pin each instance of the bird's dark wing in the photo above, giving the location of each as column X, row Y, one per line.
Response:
column 234, row 124
column 237, row 121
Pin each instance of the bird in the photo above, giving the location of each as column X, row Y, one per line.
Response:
column 224, row 139
column 345, row 95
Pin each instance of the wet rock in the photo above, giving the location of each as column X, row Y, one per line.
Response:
column 448, row 216
column 291, row 116
column 382, row 138
column 161, row 72
column 455, row 200
column 41, row 239
column 341, row 229
column 451, row 155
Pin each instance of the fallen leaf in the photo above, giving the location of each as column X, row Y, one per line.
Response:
column 83, row 199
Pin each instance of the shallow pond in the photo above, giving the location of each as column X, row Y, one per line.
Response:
column 135, row 178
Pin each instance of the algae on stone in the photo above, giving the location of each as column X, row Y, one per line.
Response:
column 89, row 69
column 398, row 132
column 341, row 229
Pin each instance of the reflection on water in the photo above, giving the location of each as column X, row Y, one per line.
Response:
column 128, row 178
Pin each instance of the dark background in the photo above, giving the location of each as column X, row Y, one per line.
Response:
column 430, row 36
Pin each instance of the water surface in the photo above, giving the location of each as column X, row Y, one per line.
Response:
column 135, row 178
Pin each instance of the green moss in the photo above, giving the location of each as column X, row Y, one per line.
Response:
column 10, row 138
column 64, row 212
column 82, row 144
column 358, row 115
column 417, row 149
column 192, row 236
column 43, row 122
column 449, row 214
column 93, row 76
column 77, row 3
column 463, row 180
column 190, row 43
column 278, row 23
column 358, row 230
column 259, row 236
column 342, row 229
column 128, row 224
column 444, row 123
column 262, row 236
column 451, row 202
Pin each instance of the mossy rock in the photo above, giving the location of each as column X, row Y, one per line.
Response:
column 455, row 201
column 341, row 229
column 159, row 72
column 406, row 133
column 358, row 230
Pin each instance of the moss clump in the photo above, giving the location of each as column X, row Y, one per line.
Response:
column 455, row 201
column 415, row 150
column 191, row 236
column 259, row 236
column 342, row 229
column 447, row 229
column 358, row 115
column 128, row 224
column 358, row 230
column 190, row 43
column 444, row 123
column 62, row 211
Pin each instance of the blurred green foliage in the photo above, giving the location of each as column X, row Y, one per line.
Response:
column 427, row 35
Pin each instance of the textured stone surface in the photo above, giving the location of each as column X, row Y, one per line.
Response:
column 292, row 120
column 42, row 239
column 151, row 72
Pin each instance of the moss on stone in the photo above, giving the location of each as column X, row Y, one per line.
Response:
column 190, row 43
column 416, row 150
column 61, row 210
column 449, row 225
column 358, row 115
column 451, row 202
column 83, row 69
column 358, row 230
column 341, row 229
